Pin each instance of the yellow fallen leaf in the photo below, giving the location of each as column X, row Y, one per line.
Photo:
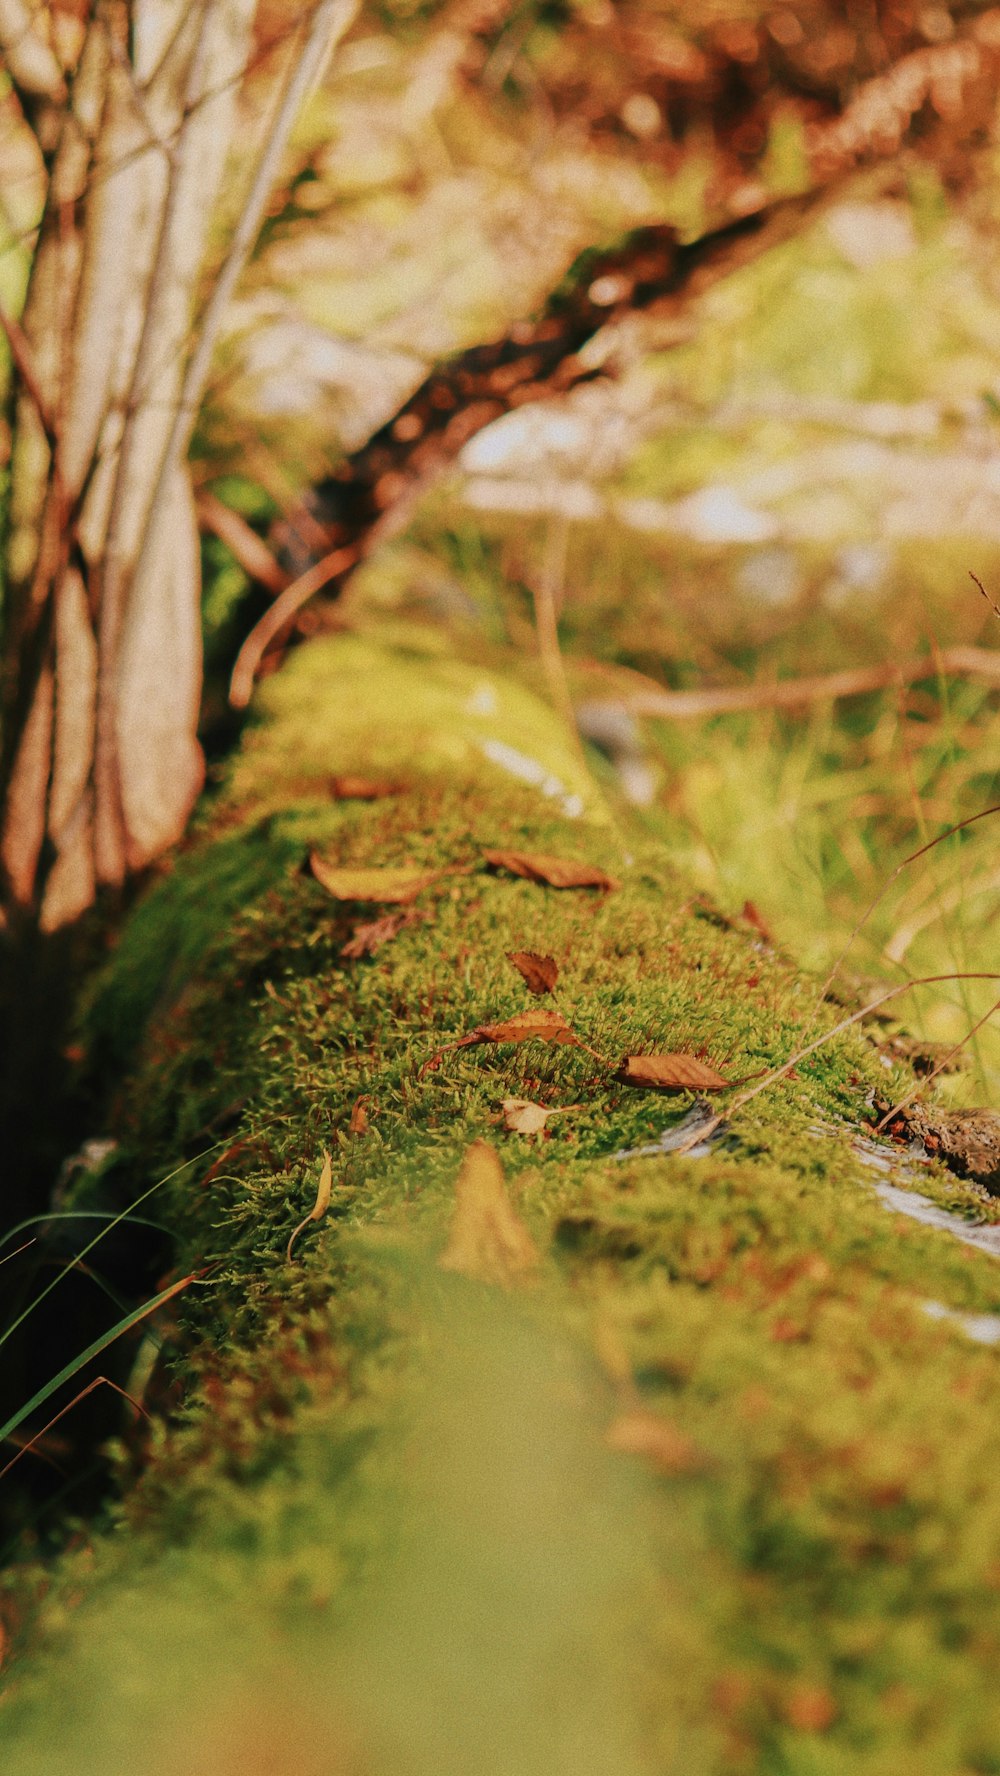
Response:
column 554, row 872
column 324, row 1191
column 391, row 887
column 539, row 973
column 488, row 1239
column 670, row 1072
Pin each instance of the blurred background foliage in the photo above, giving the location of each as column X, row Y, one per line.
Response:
column 795, row 475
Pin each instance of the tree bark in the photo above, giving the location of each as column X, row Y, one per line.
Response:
column 102, row 648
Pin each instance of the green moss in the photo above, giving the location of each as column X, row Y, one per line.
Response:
column 381, row 1510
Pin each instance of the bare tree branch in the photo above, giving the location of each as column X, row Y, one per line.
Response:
column 329, row 22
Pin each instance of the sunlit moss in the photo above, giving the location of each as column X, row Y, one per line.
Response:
column 383, row 1515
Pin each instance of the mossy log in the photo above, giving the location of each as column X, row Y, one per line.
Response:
column 704, row 1489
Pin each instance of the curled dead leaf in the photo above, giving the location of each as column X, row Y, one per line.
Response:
column 324, row 1191
column 654, row 1437
column 488, row 1240
column 386, row 886
column 670, row 1072
column 366, row 938
column 348, row 788
column 554, row 872
column 539, row 973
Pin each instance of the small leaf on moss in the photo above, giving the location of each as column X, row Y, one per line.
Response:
column 536, row 1025
column 324, row 1191
column 368, row 937
column 359, row 1117
column 387, row 886
column 670, row 1072
column 348, row 788
column 539, row 973
column 526, row 1027
column 554, row 872
column 523, row 1117
column 488, row 1239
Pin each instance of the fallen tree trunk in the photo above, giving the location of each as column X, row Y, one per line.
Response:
column 479, row 1451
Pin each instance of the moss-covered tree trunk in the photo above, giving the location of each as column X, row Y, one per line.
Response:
column 667, row 1469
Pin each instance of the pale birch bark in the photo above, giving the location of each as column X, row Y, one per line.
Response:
column 101, row 761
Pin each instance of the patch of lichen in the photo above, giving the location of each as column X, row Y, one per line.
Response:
column 817, row 1579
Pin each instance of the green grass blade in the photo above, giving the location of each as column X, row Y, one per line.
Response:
column 93, row 1350
column 108, row 1227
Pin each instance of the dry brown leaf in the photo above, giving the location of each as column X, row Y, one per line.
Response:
column 650, row 1435
column 348, row 788
column 359, row 1117
column 523, row 1117
column 390, row 887
column 539, row 973
column 526, row 1027
column 536, row 1025
column 488, row 1239
column 324, row 1191
column 554, row 872
column 753, row 916
column 365, row 939
column 671, row 1072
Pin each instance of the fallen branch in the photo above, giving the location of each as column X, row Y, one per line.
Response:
column 643, row 696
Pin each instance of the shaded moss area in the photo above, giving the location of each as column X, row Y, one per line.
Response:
column 378, row 1523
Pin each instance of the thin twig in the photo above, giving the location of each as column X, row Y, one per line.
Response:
column 994, row 607
column 24, row 364
column 708, row 1128
column 281, row 612
column 942, row 1064
column 922, row 850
